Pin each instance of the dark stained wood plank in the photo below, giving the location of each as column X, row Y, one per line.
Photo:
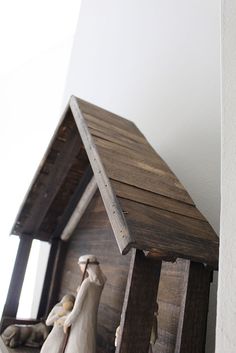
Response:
column 106, row 116
column 149, row 157
column 17, row 279
column 77, row 194
column 145, row 197
column 94, row 235
column 154, row 229
column 79, row 210
column 130, row 171
column 112, row 129
column 139, row 303
column 119, row 140
column 114, row 212
column 193, row 317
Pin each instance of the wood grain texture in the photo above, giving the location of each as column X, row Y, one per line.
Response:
column 145, row 197
column 139, row 304
column 128, row 137
column 170, row 233
column 126, row 167
column 94, row 235
column 114, row 212
column 142, row 175
column 191, row 336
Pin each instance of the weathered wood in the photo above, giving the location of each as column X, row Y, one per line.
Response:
column 194, row 309
column 17, row 279
column 113, row 209
column 139, row 303
column 52, row 280
column 106, row 116
column 80, row 209
column 77, row 194
column 173, row 234
column 143, row 176
column 61, row 167
column 113, row 129
column 145, row 197
column 94, row 235
column 146, row 156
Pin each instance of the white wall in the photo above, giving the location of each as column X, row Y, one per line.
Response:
column 157, row 63
column 226, row 314
column 36, row 39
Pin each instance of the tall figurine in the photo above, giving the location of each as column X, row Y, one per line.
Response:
column 56, row 339
column 81, row 323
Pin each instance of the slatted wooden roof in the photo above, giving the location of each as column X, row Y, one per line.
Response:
column 147, row 206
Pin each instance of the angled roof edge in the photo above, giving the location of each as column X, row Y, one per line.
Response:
column 156, row 215
column 39, row 167
column 113, row 209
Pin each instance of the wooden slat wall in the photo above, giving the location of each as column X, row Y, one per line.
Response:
column 170, row 294
column 174, row 234
column 94, row 235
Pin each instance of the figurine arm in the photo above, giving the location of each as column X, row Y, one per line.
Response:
column 71, row 318
column 52, row 317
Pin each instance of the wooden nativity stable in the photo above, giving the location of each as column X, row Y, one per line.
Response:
column 102, row 189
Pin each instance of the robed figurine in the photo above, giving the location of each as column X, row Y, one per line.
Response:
column 56, row 339
column 81, row 323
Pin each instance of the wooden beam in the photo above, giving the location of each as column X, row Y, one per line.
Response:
column 52, row 280
column 17, row 279
column 114, row 211
column 80, row 209
column 191, row 333
column 139, row 304
column 64, row 219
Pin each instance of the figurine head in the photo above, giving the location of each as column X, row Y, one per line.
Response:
column 90, row 265
column 87, row 260
column 68, row 302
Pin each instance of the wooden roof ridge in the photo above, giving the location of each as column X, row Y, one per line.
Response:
column 126, row 195
column 147, row 206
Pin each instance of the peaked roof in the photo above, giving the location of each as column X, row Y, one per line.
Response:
column 147, row 206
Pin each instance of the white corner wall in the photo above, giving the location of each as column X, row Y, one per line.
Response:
column 158, row 63
column 226, row 311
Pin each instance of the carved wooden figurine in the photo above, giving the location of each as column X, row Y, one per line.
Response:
column 83, row 318
column 57, row 316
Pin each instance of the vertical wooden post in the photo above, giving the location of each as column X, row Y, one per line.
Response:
column 191, row 333
column 52, row 277
column 139, row 304
column 17, row 279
